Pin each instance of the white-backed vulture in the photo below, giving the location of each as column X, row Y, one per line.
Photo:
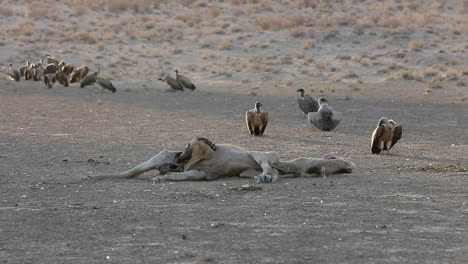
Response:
column 325, row 118
column 106, row 84
column 306, row 102
column 13, row 73
column 186, row 82
column 385, row 136
column 173, row 83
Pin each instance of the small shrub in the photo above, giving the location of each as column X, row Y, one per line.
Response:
column 416, row 44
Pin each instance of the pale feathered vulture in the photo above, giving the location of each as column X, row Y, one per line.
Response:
column 325, row 118
column 385, row 136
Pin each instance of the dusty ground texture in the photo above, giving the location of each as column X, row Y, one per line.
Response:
column 406, row 60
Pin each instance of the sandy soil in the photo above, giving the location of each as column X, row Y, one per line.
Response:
column 408, row 206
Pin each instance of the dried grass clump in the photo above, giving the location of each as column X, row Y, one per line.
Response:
column 205, row 43
column 287, row 81
column 452, row 75
column 343, row 57
column 37, row 10
column 23, row 27
column 226, row 43
column 307, row 44
column 380, row 43
column 85, row 37
column 276, row 22
column 416, row 44
column 334, row 78
column 350, row 74
column 434, row 84
column 298, row 32
column 214, row 12
column 406, row 75
column 430, row 72
column 5, row 11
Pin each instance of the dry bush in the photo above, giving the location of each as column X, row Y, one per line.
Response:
column 460, row 83
column 23, row 27
column 226, row 43
column 389, row 22
column 434, row 84
column 380, row 43
column 416, row 44
column 350, row 74
column 84, row 37
column 287, row 81
column 307, row 44
column 334, row 78
column 204, row 43
column 343, row 57
column 452, row 75
column 275, row 22
column 298, row 32
column 430, row 72
column 37, row 10
column 5, row 11
column 214, row 12
column 406, row 75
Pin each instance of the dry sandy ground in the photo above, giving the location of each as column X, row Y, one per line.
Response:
column 408, row 206
column 406, row 60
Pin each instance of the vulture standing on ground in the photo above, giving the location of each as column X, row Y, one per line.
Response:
column 306, row 102
column 13, row 73
column 89, row 80
column 385, row 136
column 106, row 84
column 325, row 118
column 173, row 83
column 186, row 82
column 256, row 120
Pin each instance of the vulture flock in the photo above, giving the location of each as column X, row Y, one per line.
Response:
column 323, row 117
column 318, row 112
column 50, row 70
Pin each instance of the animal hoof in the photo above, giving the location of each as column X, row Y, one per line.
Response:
column 268, row 179
column 156, row 180
column 258, row 179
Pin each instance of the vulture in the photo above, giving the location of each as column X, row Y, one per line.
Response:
column 106, row 84
column 79, row 74
column 385, row 136
column 306, row 102
column 256, row 120
column 49, row 73
column 89, row 80
column 173, row 83
column 61, row 77
column 186, row 82
column 325, row 118
column 13, row 73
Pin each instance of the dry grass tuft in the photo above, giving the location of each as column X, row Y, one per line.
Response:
column 275, row 22
column 307, row 44
column 416, row 44
column 5, row 11
column 351, row 74
column 452, row 75
column 343, row 57
column 380, row 44
column 434, row 84
column 37, row 10
column 226, row 43
column 287, row 81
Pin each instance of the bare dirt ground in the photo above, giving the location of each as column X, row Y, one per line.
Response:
column 404, row 60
